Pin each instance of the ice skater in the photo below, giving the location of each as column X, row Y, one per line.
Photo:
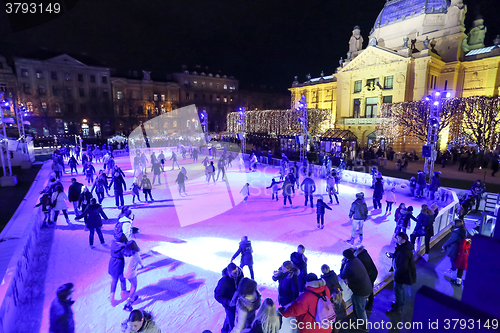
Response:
column 119, row 187
column 132, row 262
column 153, row 160
column 89, row 172
column 275, row 188
column 135, row 192
column 146, row 188
column 390, row 199
column 308, row 186
column 357, row 216
column 161, row 158
column 229, row 160
column 404, row 221
column 413, row 185
column 245, row 191
column 253, row 163
column 287, row 192
column 93, row 222
column 59, row 199
column 73, row 164
column 245, row 249
column 116, row 266
column 330, row 188
column 320, row 212
column 195, row 155
column 174, row 161
column 156, row 168
column 181, row 178
column 211, row 171
column 221, row 165
column 45, row 202
column 99, row 186
column 378, row 194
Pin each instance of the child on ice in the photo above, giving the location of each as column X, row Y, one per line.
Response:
column 275, row 188
column 45, row 202
column 245, row 191
column 390, row 199
column 320, row 212
column 135, row 192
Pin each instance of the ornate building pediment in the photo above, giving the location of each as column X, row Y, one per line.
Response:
column 373, row 56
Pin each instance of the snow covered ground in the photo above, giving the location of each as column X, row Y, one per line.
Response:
column 186, row 241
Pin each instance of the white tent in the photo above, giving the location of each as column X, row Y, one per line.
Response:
column 118, row 138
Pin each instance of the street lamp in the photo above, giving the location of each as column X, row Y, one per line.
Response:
column 6, row 180
column 429, row 150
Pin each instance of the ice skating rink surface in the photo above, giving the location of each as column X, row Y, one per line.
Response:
column 187, row 240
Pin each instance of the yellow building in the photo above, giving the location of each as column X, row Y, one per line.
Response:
column 415, row 48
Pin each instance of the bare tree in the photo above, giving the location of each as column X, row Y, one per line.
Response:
column 481, row 120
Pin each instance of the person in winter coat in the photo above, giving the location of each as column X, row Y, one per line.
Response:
column 253, row 163
column 92, row 214
column 425, row 227
column 161, row 158
column 221, row 166
column 224, row 292
column 72, row 164
column 275, row 188
column 156, row 168
column 247, row 300
column 330, row 188
column 195, row 155
column 211, row 171
column 174, row 160
column 132, row 262
column 308, row 186
column 61, row 314
column 89, row 173
column 245, row 191
column 181, row 178
column 135, row 192
column 267, row 320
column 288, row 283
column 300, row 261
column 362, row 254
column 116, row 266
column 153, row 160
column 390, row 199
column 358, row 215
column 59, row 203
column 404, row 221
column 84, row 199
column 405, row 272
column 413, row 185
column 45, row 202
column 332, row 280
column 304, row 308
column 57, row 168
column 420, row 184
column 320, row 212
column 140, row 321
column 358, row 280
column 99, row 186
column 452, row 248
column 374, row 174
column 119, row 188
column 146, row 188
column 74, row 191
column 435, row 184
column 477, row 189
column 287, row 192
column 378, row 194
column 397, row 214
column 245, row 249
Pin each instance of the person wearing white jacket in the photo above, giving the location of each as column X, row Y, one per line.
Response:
column 390, row 199
column 247, row 300
column 132, row 262
column 59, row 199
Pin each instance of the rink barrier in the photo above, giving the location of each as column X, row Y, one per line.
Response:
column 21, row 234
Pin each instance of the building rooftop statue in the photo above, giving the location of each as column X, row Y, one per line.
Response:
column 397, row 10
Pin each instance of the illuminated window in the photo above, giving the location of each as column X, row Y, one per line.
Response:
column 225, row 86
column 39, row 74
column 163, row 98
column 155, row 97
column 210, row 85
column 225, row 99
column 371, row 107
column 358, row 86
column 195, row 83
column 119, row 95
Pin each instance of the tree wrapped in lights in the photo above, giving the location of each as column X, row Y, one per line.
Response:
column 388, row 126
column 278, row 122
column 481, row 120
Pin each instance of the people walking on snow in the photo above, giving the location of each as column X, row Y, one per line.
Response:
column 59, row 204
column 195, row 155
column 291, row 178
column 61, row 315
column 174, row 160
column 358, row 215
column 245, row 249
column 152, row 160
column 300, row 261
column 308, row 186
column 146, row 188
column 99, row 186
column 132, row 262
column 390, row 199
column 224, row 292
column 245, row 191
column 92, row 216
column 274, row 188
column 229, row 160
column 320, row 212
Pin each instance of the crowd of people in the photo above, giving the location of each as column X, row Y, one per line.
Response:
column 302, row 296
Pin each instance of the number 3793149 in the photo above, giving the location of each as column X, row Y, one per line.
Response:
column 470, row 324
column 32, row 8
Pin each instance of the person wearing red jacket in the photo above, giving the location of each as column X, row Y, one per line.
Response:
column 304, row 307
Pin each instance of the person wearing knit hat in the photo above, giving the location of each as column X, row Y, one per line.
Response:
column 358, row 280
column 358, row 215
column 311, row 277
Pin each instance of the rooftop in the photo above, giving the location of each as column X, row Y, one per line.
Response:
column 398, row 10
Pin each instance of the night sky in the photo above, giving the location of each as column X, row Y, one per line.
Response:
column 259, row 42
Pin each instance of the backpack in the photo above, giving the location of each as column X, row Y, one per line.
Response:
column 325, row 310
